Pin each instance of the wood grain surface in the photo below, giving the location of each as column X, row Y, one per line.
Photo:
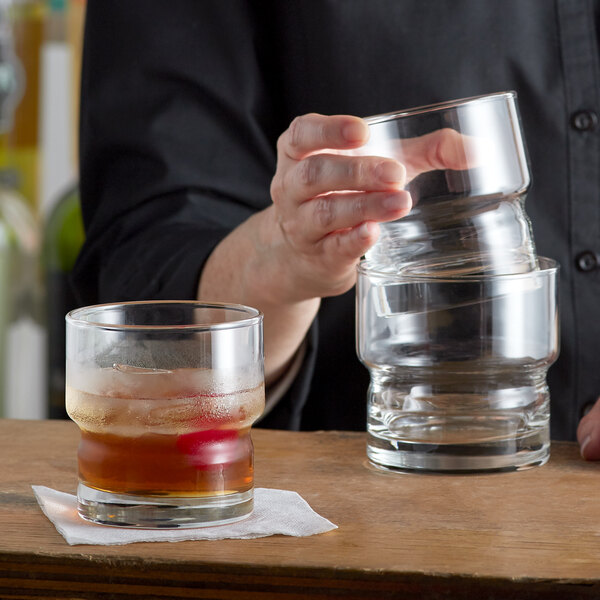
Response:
column 527, row 535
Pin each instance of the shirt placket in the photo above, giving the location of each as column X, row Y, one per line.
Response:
column 579, row 50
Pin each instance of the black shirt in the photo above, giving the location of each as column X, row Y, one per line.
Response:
column 183, row 101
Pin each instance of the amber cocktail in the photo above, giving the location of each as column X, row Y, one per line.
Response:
column 165, row 394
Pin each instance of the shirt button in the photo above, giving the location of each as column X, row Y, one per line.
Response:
column 584, row 120
column 586, row 261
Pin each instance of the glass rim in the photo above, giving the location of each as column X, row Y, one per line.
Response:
column 548, row 266
column 253, row 316
column 437, row 106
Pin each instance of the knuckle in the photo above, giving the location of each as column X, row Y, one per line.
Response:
column 360, row 206
column 309, row 170
column 362, row 171
column 295, row 132
column 289, row 229
column 335, row 243
column 446, row 138
column 282, row 141
column 324, row 212
column 322, row 132
column 356, row 170
column 446, row 135
column 276, row 189
column 340, row 245
column 303, row 130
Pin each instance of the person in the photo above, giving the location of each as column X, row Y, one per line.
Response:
column 213, row 167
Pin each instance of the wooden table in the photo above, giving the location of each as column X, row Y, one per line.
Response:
column 528, row 535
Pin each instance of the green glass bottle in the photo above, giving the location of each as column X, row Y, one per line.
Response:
column 63, row 238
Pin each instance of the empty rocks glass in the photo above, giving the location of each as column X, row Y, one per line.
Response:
column 457, row 316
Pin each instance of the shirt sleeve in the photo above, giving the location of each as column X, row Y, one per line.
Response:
column 177, row 141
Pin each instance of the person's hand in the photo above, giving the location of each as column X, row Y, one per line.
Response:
column 329, row 196
column 328, row 204
column 588, row 433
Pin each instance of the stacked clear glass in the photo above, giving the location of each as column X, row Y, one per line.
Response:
column 165, row 394
column 457, row 317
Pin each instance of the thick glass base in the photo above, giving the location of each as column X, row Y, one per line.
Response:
column 155, row 512
column 440, row 420
column 509, row 454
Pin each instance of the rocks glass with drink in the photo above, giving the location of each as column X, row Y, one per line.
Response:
column 165, row 394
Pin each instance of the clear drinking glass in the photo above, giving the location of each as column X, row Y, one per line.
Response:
column 468, row 176
column 165, row 394
column 458, row 367
column 457, row 317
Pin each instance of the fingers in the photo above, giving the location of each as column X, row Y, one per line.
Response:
column 312, row 133
column 336, row 212
column 336, row 257
column 350, row 243
column 328, row 201
column 321, row 173
column 588, row 434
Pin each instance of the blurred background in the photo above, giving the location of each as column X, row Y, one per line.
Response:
column 40, row 220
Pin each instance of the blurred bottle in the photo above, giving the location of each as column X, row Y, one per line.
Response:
column 57, row 162
column 20, row 284
column 19, row 147
column 63, row 237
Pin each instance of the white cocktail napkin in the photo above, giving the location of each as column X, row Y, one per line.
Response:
column 276, row 512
